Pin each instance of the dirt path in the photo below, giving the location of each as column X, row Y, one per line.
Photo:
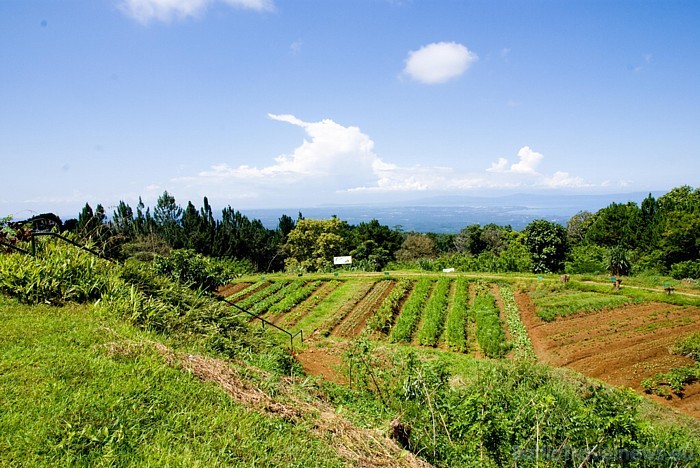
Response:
column 620, row 346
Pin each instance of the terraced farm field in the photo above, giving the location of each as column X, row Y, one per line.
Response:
column 616, row 338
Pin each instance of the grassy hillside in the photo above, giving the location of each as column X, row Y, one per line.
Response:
column 128, row 367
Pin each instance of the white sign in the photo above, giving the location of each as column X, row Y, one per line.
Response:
column 342, row 260
column 448, row 270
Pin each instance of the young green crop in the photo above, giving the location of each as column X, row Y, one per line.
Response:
column 383, row 317
column 262, row 294
column 411, row 312
column 489, row 329
column 434, row 314
column 518, row 333
column 455, row 328
column 294, row 297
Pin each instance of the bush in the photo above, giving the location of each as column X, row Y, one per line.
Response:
column 688, row 269
column 58, row 274
column 198, row 271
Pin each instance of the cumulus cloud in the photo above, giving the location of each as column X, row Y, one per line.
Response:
column 334, row 159
column 439, row 62
column 146, row 11
column 529, row 160
column 527, row 164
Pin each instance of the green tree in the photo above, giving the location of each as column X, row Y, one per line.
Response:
column 469, row 240
column 313, row 243
column 546, row 242
column 577, row 226
column 168, row 218
column 416, row 247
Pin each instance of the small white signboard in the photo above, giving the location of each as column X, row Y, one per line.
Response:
column 347, row 260
column 448, row 270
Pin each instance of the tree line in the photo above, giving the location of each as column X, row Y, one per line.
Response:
column 658, row 235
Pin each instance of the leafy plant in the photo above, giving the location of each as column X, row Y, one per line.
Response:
column 383, row 317
column 518, row 332
column 434, row 314
column 455, row 328
column 412, row 309
column 489, row 329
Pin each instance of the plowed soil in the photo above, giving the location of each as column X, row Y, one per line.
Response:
column 620, row 346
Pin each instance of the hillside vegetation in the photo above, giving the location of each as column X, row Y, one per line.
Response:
column 131, row 366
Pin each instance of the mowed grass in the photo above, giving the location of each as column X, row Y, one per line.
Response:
column 87, row 390
column 553, row 304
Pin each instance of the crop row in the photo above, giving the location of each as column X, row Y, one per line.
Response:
column 434, row 314
column 382, row 319
column 261, row 294
column 245, row 291
column 489, row 330
column 408, row 319
column 522, row 346
column 455, row 329
column 293, row 298
column 343, row 311
column 550, row 306
column 365, row 307
column 262, row 306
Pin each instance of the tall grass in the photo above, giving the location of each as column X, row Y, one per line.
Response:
column 550, row 305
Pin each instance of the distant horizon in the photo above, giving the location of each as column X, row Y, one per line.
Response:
column 422, row 215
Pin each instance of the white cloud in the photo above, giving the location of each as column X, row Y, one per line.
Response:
column 295, row 47
column 499, row 166
column 334, row 159
column 146, row 11
column 439, row 62
column 529, row 160
column 562, row 179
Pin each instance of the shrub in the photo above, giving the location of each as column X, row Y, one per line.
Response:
column 688, row 269
column 58, row 274
column 199, row 271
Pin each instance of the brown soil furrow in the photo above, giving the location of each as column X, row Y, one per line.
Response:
column 620, row 346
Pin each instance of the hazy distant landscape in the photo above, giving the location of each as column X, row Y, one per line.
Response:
column 449, row 214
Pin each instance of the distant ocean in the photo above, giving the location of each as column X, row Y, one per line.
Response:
column 450, row 214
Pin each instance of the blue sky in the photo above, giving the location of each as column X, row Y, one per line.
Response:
column 274, row 103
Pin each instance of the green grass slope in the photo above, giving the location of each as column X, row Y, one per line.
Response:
column 79, row 388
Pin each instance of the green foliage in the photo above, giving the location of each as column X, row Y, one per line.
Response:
column 411, row 313
column 546, row 242
column 58, row 274
column 675, row 380
column 312, row 244
column 455, row 327
column 489, row 329
column 262, row 294
column 198, row 271
column 383, row 318
column 687, row 269
column 292, row 298
column 262, row 306
column 434, row 314
column 688, row 346
column 508, row 413
column 586, row 259
column 551, row 304
column 415, row 247
column 522, row 346
column 618, row 262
